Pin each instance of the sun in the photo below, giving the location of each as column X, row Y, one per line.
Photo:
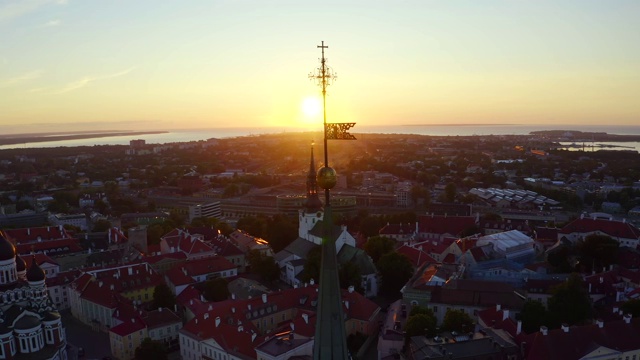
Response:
column 311, row 107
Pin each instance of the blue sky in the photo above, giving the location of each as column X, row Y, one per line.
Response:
column 198, row 64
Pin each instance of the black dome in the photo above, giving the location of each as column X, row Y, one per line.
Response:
column 35, row 273
column 21, row 265
column 7, row 249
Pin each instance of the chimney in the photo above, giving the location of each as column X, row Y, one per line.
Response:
column 505, row 314
column 253, row 337
column 100, row 284
column 600, row 323
column 233, row 296
column 498, row 307
column 240, row 328
column 305, row 317
column 29, row 231
column 627, row 319
column 519, row 327
column 217, row 321
column 346, row 303
column 130, row 270
column 133, row 320
column 601, row 279
column 249, row 306
column 206, row 316
column 233, row 310
column 293, row 326
column 160, row 309
column 264, row 298
column 589, row 288
column 544, row 330
column 615, row 310
column 112, row 287
column 565, row 327
column 312, row 282
column 351, row 288
column 210, row 307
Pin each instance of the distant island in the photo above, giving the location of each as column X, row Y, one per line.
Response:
column 575, row 135
column 45, row 137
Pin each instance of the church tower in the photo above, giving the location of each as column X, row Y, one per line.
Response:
column 312, row 211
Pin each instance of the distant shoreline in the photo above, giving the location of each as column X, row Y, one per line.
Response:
column 45, row 137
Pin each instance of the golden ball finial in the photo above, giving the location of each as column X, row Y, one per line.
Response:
column 327, row 178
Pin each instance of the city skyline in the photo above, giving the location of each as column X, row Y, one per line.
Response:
column 87, row 65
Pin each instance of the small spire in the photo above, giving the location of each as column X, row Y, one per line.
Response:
column 313, row 203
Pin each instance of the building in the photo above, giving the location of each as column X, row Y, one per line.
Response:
column 512, row 245
column 237, row 329
column 134, row 325
column 31, row 327
column 624, row 233
column 189, row 207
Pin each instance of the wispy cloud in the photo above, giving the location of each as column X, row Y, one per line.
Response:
column 89, row 79
column 52, row 23
column 21, row 78
column 16, row 9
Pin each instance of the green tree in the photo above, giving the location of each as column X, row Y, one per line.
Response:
column 377, row 246
column 163, row 297
column 457, row 320
column 281, row 231
column 632, row 307
column 263, row 265
column 216, row 290
column 533, row 315
column 151, row 350
column 423, row 323
column 253, row 225
column 350, row 275
column 598, row 250
column 395, row 270
column 311, row 268
column 101, row 225
column 569, row 303
column 450, row 192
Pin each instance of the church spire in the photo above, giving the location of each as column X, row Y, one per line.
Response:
column 313, row 203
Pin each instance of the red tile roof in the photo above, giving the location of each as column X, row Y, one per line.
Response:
column 57, row 246
column 128, row 327
column 207, row 266
column 40, row 259
column 416, row 256
column 187, row 243
column 232, row 312
column 398, row 229
column 152, row 259
column 177, row 276
column 615, row 229
column 436, row 224
column 36, row 234
column 579, row 341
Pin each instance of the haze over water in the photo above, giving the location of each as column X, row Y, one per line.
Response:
column 431, row 130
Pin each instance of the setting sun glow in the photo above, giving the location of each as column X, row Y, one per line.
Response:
column 311, row 107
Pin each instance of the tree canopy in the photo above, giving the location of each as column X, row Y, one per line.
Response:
column 263, row 265
column 632, row 307
column 163, row 297
column 350, row 275
column 395, row 270
column 570, row 303
column 377, row 246
column 457, row 320
column 597, row 250
column 151, row 350
column 420, row 324
column 533, row 315
column 216, row 290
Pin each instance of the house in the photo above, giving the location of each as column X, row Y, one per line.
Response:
column 195, row 271
column 95, row 295
column 616, row 339
column 193, row 246
column 438, row 227
column 625, row 233
column 132, row 326
column 51, row 240
column 399, row 232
